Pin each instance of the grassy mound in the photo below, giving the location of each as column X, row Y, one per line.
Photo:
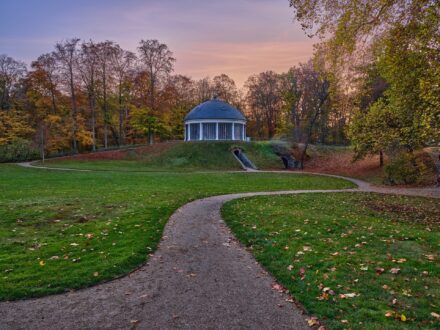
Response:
column 189, row 156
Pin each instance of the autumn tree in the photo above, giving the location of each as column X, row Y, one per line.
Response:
column 264, row 101
column 144, row 122
column 158, row 61
column 89, row 66
column 66, row 54
column 203, row 90
column 47, row 65
column 14, row 120
column 224, row 88
column 400, row 39
column 42, row 95
column 309, row 95
column 353, row 23
column 11, row 71
column 105, row 53
column 291, row 94
column 178, row 97
column 123, row 63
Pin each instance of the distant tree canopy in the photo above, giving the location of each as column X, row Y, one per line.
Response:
column 384, row 63
column 86, row 95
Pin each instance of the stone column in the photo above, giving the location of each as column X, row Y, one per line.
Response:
column 201, row 132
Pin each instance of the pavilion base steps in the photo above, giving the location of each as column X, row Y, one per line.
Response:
column 245, row 162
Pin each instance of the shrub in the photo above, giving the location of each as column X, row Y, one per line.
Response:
column 406, row 168
column 18, row 150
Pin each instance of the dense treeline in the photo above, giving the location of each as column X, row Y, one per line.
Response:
column 86, row 95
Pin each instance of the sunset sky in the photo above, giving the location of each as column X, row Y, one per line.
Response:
column 236, row 37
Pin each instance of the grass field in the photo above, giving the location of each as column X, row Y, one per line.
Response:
column 359, row 261
column 182, row 157
column 61, row 230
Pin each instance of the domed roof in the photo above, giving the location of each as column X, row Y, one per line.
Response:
column 214, row 109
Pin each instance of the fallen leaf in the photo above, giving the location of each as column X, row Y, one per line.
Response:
column 277, row 287
column 312, row 321
column 379, row 270
column 329, row 291
column 347, row 295
column 407, row 292
column 403, row 318
column 42, row 263
column 437, row 316
column 395, row 270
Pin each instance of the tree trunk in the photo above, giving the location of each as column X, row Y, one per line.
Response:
column 297, row 133
column 42, row 142
column 297, row 123
column 303, row 156
column 150, row 134
column 104, row 86
column 381, row 158
column 121, row 118
column 92, row 111
column 152, row 89
column 323, row 98
column 74, row 111
column 52, row 94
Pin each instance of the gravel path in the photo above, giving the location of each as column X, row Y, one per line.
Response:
column 199, row 278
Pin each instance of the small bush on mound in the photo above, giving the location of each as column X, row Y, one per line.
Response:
column 406, row 168
column 17, row 151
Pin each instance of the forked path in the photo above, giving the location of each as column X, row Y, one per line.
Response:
column 199, row 278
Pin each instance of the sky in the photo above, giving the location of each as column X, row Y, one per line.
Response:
column 207, row 37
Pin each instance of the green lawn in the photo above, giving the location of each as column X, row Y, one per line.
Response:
column 336, row 254
column 61, row 230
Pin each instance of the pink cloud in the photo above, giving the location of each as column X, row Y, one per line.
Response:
column 239, row 61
